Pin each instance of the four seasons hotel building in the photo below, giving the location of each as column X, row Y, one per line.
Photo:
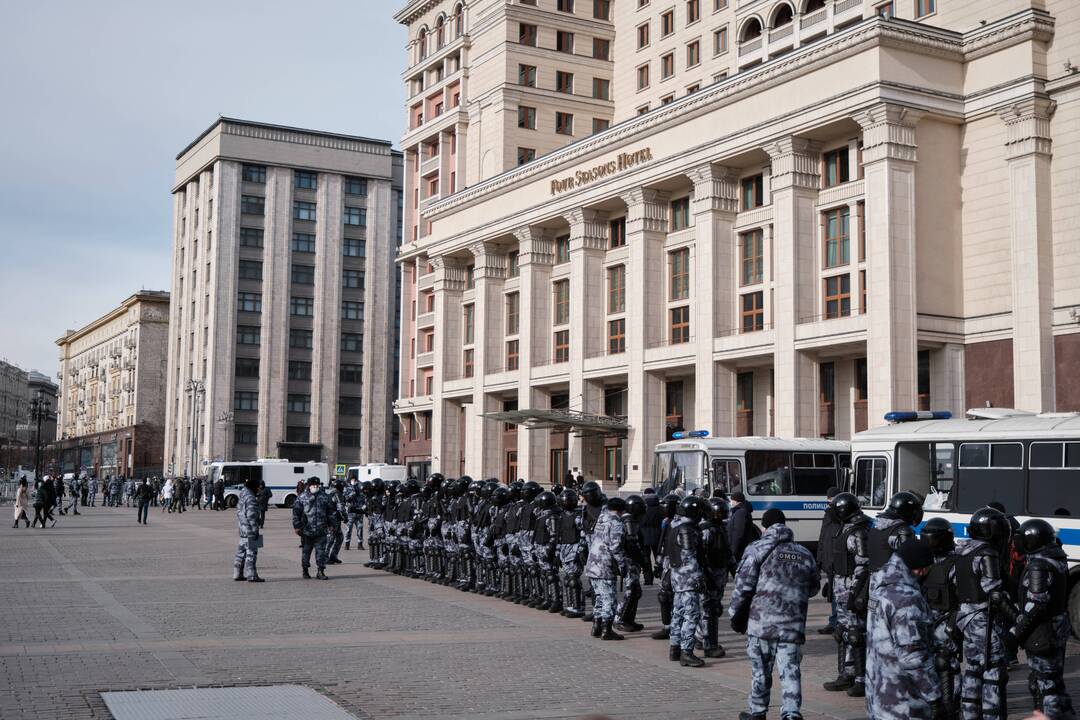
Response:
column 803, row 214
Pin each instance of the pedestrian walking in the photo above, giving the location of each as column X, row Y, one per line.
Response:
column 167, row 496
column 143, row 494
column 84, row 491
column 311, row 516
column 247, row 521
column 58, row 499
column 41, row 500
column 849, row 587
column 717, row 555
column 22, row 499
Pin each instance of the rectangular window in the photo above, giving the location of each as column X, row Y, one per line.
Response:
column 667, row 66
column 352, row 342
column 304, row 211
column 299, row 370
column 680, row 325
column 468, row 363
column 252, row 205
column 355, row 216
column 561, row 347
column 251, row 237
column 527, row 75
column 302, row 306
column 752, row 256
column 719, row 39
column 643, row 82
column 753, row 312
column 566, row 6
column 601, row 9
column 527, row 34
column 512, row 269
column 837, row 296
column 679, row 268
column 247, row 334
column 526, row 117
column 512, row 355
column 353, row 247
column 564, row 82
column 616, row 277
column 513, row 302
column 925, row 7
column 525, row 155
column 303, row 180
column 353, row 279
column 349, row 405
column 245, row 434
column 643, row 36
column 564, row 123
column 562, row 249
column 247, row 367
column 617, row 233
column 835, row 167
column 862, row 292
column 693, row 54
column 667, row 23
column 351, row 373
column 601, row 89
column 348, row 437
column 468, row 333
column 300, row 339
column 352, row 310
column 753, row 192
column 470, row 277
column 680, row 214
column 564, row 41
column 297, row 433
column 355, row 186
column 303, row 274
column 719, row 5
column 561, row 292
column 601, row 49
column 298, row 403
column 303, row 242
column 249, row 302
column 837, row 244
column 254, row 173
column 600, row 124
column 616, row 336
column 245, row 400
column 884, row 10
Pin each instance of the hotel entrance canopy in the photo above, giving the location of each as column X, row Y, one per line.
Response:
column 579, row 423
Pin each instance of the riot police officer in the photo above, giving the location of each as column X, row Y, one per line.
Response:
column 686, row 558
column 635, row 562
column 850, row 566
column 718, row 561
column 607, row 556
column 664, row 596
column 544, row 541
column 570, row 544
column 939, row 587
column 893, row 527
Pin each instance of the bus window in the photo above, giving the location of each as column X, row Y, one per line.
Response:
column 926, row 468
column 1054, row 479
column 991, row 472
column 726, row 476
column 768, row 473
column 354, row 474
column 679, row 470
column 870, row 482
column 814, row 473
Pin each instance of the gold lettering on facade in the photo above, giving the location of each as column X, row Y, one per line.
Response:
column 581, row 178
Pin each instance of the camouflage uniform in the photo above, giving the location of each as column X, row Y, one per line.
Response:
column 247, row 520
column 684, row 550
column 376, row 527
column 500, row 538
column 545, row 537
column 635, row 559
column 311, row 516
column 354, row 515
column 901, row 681
column 982, row 692
column 939, row 588
column 773, row 586
column 571, row 550
column 606, row 557
column 483, row 547
column 714, row 538
column 851, row 578
column 334, row 536
column 432, row 543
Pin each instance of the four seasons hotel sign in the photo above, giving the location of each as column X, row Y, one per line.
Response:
column 581, row 178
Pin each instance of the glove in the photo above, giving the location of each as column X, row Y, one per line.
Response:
column 938, row 711
column 738, row 624
column 1011, row 643
column 856, row 604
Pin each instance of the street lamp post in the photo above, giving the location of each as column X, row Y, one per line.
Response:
column 195, row 389
column 39, row 410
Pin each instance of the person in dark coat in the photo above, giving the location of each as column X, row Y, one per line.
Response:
column 830, row 528
column 650, row 531
column 740, row 526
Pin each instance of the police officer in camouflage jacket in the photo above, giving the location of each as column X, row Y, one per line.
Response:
column 334, row 535
column 850, row 573
column 570, row 544
column 687, row 563
column 607, row 558
column 635, row 562
column 718, row 561
column 311, row 517
column 354, row 514
column 773, row 586
column 939, row 588
column 247, row 521
column 376, row 506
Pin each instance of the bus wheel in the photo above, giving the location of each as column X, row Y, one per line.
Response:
column 1074, row 609
column 289, row 500
column 232, row 501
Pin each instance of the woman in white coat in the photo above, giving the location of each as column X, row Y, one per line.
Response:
column 22, row 501
column 167, row 495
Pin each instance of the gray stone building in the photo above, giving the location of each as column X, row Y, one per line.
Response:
column 12, row 400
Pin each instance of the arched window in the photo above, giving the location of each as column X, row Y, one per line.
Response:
column 459, row 20
column 813, row 6
column 751, row 30
column 440, row 34
column 421, row 41
column 782, row 16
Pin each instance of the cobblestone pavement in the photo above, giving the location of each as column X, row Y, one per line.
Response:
column 99, row 603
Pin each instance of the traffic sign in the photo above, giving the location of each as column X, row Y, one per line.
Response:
column 339, row 470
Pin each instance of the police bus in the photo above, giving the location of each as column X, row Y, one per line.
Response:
column 280, row 477
column 792, row 475
column 1029, row 463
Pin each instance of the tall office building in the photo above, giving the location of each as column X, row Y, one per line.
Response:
column 805, row 215
column 282, row 339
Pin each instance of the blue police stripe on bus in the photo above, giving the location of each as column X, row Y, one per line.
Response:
column 794, row 505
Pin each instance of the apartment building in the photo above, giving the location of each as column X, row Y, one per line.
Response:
column 283, row 334
column 111, row 414
column 828, row 211
column 13, row 400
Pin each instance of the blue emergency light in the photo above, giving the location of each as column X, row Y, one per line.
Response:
column 691, row 434
column 899, row 416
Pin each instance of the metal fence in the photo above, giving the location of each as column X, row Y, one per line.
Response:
column 7, row 492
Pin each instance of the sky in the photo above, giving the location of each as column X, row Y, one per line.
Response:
column 99, row 97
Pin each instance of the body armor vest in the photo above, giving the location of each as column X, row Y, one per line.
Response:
column 878, row 546
column 718, row 552
column 843, row 562
column 671, row 544
column 1059, row 595
column 568, row 533
column 968, row 585
column 940, row 592
column 541, row 535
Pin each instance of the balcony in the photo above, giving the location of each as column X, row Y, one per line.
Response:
column 430, row 165
column 813, row 24
column 425, row 360
column 751, row 51
column 845, row 11
column 425, row 320
column 426, row 282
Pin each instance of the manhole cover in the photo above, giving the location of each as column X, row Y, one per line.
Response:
column 241, row 703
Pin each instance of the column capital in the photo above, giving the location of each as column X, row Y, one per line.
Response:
column 1027, row 127
column 716, row 188
column 888, row 132
column 588, row 229
column 794, row 163
column 536, row 246
column 449, row 273
column 487, row 263
column 646, row 210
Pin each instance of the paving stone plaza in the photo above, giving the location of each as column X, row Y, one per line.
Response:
column 98, row 604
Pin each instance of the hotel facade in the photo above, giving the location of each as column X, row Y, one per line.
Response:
column 803, row 215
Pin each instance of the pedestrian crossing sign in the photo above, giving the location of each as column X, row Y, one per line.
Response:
column 339, row 470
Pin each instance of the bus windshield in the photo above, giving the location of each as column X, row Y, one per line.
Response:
column 683, row 469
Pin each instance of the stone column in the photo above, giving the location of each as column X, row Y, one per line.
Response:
column 447, row 444
column 1028, row 151
column 715, row 202
column 947, row 379
column 326, row 330
column 891, row 340
column 274, row 334
column 646, row 230
column 794, row 192
column 588, row 241
column 489, row 274
column 536, row 255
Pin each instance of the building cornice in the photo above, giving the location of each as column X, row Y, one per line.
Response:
column 408, row 14
column 149, row 296
column 298, row 136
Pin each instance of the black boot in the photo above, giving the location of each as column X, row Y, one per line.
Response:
column 628, row 617
column 662, row 634
column 712, row 635
column 610, row 634
column 307, row 575
column 597, row 628
column 674, row 653
column 858, row 688
column 556, row 599
column 320, row 575
column 689, row 659
column 255, row 578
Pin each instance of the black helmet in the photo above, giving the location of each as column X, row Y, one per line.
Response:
column 500, row 496
column 545, row 500
column 411, row 487
column 989, row 525
column 435, row 481
column 1035, row 535
column 466, row 478
column 487, row 488
column 475, row 487
column 635, row 505
column 695, row 508
column 592, row 493
column 365, row 487
column 568, row 499
column 426, row 492
column 530, row 490
column 938, row 534
column 557, row 489
column 393, row 487
column 340, row 486
column 719, row 507
column 907, row 506
column 671, row 504
column 378, row 486
column 616, row 504
column 846, row 506
column 515, row 490
column 252, row 484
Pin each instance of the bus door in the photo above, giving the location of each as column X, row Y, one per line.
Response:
column 727, row 475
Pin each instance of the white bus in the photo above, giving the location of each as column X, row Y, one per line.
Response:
column 1029, row 463
column 792, row 475
column 381, row 471
column 280, row 477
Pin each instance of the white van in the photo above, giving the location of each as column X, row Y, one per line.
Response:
column 280, row 477
column 382, row 471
